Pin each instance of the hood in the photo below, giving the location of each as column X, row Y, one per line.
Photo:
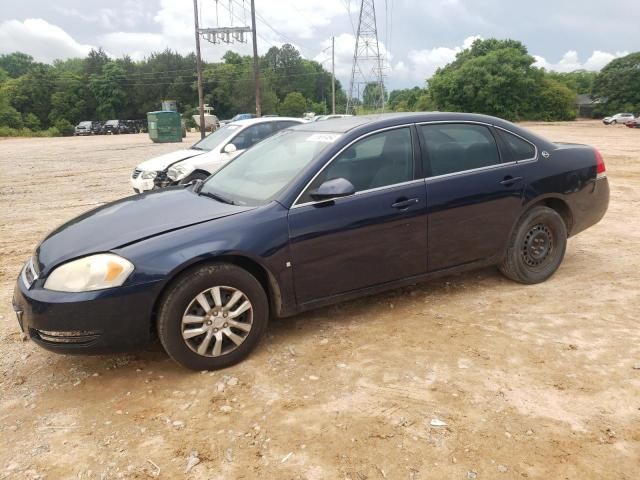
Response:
column 163, row 162
column 127, row 221
column 209, row 161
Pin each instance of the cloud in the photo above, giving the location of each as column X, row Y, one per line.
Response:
column 284, row 21
column 44, row 41
column 129, row 14
column 135, row 45
column 571, row 62
column 422, row 64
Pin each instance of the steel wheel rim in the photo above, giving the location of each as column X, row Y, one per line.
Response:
column 537, row 247
column 217, row 321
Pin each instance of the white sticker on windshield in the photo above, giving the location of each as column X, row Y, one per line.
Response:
column 323, row 137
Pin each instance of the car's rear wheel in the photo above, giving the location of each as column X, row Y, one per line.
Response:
column 537, row 246
column 212, row 317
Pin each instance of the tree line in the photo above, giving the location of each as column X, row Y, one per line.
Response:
column 498, row 77
column 51, row 99
column 495, row 77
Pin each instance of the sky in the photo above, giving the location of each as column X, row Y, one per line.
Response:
column 416, row 36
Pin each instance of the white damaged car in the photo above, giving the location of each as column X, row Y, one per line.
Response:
column 208, row 155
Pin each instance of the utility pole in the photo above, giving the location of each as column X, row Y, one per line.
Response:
column 256, row 60
column 333, row 75
column 199, row 70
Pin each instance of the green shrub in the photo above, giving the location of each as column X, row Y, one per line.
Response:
column 31, row 122
column 65, row 127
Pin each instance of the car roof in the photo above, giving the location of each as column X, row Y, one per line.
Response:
column 252, row 121
column 360, row 125
column 346, row 124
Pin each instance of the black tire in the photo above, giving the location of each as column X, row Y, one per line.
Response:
column 537, row 246
column 181, row 296
column 613, row 122
column 193, row 177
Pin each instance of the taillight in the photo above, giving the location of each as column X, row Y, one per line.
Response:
column 600, row 168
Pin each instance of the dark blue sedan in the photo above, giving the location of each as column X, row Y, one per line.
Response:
column 317, row 214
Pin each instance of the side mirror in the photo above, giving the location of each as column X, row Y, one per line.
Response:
column 230, row 148
column 336, row 188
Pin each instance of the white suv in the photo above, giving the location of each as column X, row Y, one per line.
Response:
column 622, row 118
column 208, row 155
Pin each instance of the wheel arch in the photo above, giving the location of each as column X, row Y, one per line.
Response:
column 259, row 271
column 200, row 170
column 555, row 203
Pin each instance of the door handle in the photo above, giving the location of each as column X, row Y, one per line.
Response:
column 404, row 204
column 509, row 180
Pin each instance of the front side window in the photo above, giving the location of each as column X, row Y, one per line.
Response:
column 378, row 160
column 517, row 148
column 453, row 148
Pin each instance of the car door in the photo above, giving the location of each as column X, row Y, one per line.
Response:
column 473, row 195
column 375, row 236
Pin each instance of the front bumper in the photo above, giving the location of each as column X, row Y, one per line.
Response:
column 161, row 180
column 139, row 185
column 102, row 321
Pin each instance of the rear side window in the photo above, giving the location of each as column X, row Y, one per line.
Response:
column 282, row 125
column 453, row 148
column 517, row 148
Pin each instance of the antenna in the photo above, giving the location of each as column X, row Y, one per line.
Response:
column 367, row 61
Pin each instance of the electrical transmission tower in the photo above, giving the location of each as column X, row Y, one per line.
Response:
column 367, row 66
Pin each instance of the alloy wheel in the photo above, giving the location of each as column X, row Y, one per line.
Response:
column 217, row 321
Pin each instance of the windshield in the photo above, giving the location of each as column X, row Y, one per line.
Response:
column 214, row 139
column 259, row 174
column 112, row 122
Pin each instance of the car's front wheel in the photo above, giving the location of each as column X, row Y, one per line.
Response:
column 613, row 122
column 212, row 317
column 537, row 246
column 193, row 177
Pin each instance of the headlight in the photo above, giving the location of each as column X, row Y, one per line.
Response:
column 148, row 175
column 178, row 172
column 104, row 270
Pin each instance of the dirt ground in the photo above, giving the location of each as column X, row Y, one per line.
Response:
column 531, row 381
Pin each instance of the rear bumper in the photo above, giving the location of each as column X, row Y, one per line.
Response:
column 592, row 205
column 103, row 321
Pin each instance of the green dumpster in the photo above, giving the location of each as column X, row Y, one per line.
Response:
column 165, row 126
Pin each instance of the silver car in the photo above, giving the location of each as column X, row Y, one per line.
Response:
column 83, row 128
column 622, row 118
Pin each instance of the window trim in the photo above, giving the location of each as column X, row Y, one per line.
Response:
column 422, row 155
column 535, row 147
column 489, row 167
column 334, row 157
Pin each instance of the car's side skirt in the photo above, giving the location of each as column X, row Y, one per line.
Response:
column 364, row 292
